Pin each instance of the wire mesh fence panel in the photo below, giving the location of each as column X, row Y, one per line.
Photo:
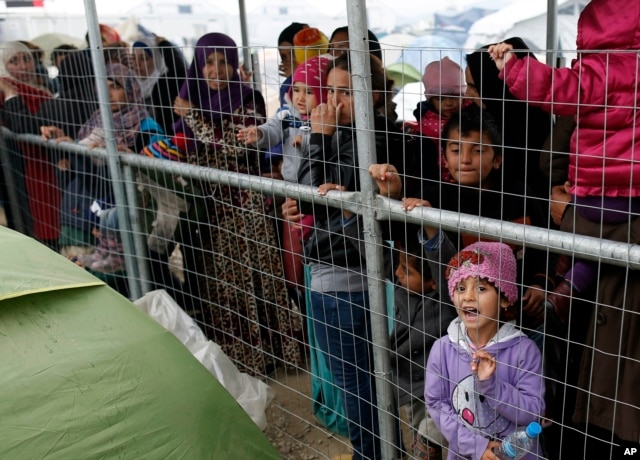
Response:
column 503, row 296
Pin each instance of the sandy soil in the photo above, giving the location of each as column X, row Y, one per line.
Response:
column 292, row 426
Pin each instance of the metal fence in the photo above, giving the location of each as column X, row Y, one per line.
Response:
column 228, row 229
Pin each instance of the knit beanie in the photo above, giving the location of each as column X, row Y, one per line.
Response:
column 443, row 77
column 309, row 42
column 493, row 262
column 313, row 73
column 108, row 34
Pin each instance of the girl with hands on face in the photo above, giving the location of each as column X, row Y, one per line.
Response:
column 325, row 117
column 338, row 282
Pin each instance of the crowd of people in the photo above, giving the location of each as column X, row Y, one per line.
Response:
column 484, row 336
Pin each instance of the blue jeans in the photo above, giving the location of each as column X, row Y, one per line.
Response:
column 343, row 333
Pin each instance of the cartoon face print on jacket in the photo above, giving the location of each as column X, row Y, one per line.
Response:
column 475, row 409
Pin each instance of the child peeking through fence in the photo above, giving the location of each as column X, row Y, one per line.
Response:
column 88, row 209
column 601, row 91
column 419, row 319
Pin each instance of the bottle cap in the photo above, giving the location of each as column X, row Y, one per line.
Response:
column 533, row 429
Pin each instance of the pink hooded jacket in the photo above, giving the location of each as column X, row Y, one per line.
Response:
column 602, row 91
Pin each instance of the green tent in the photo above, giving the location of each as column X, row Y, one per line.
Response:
column 86, row 375
column 402, row 73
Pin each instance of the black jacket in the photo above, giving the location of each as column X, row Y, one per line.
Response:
column 334, row 159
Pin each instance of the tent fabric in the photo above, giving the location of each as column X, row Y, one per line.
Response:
column 29, row 268
column 85, row 374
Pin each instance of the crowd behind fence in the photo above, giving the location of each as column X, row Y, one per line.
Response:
column 137, row 183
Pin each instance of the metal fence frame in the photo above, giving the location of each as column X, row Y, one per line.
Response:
column 367, row 203
column 372, row 207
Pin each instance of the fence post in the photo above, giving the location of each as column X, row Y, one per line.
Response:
column 365, row 141
column 139, row 236
column 97, row 58
column 12, row 195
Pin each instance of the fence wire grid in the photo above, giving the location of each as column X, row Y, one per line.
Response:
column 307, row 260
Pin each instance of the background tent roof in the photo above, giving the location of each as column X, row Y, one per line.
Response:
column 523, row 19
column 85, row 374
column 52, row 40
column 402, row 73
column 392, row 44
column 429, row 48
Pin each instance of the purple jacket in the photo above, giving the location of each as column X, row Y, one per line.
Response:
column 601, row 89
column 468, row 412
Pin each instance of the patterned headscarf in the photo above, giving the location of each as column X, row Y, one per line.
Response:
column 126, row 121
column 31, row 93
column 215, row 105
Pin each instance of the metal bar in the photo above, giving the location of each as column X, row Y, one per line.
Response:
column 113, row 158
column 552, row 31
column 607, row 251
column 140, row 242
column 7, row 170
column 366, row 144
column 246, row 49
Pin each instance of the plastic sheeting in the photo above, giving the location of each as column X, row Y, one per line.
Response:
column 252, row 394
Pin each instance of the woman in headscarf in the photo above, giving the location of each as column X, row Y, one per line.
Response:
column 159, row 80
column 524, row 128
column 240, row 276
column 76, row 99
column 91, row 182
column 33, row 173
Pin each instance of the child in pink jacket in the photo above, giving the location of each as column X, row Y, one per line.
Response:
column 601, row 90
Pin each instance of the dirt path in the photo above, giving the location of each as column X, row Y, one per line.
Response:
column 292, row 426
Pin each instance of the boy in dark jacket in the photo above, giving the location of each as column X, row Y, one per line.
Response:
column 419, row 320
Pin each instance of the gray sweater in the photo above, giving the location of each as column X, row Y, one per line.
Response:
column 283, row 128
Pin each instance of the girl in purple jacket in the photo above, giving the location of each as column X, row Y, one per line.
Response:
column 484, row 378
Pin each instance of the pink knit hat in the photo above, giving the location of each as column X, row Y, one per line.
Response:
column 443, row 77
column 313, row 73
column 493, row 262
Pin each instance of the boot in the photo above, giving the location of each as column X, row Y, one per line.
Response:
column 423, row 449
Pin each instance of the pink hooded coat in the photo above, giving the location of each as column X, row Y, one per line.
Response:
column 602, row 90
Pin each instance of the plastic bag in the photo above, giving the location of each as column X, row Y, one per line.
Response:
column 252, row 394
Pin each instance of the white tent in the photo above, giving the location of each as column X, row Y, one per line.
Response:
column 527, row 20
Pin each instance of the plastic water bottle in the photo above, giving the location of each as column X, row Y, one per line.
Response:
column 519, row 443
